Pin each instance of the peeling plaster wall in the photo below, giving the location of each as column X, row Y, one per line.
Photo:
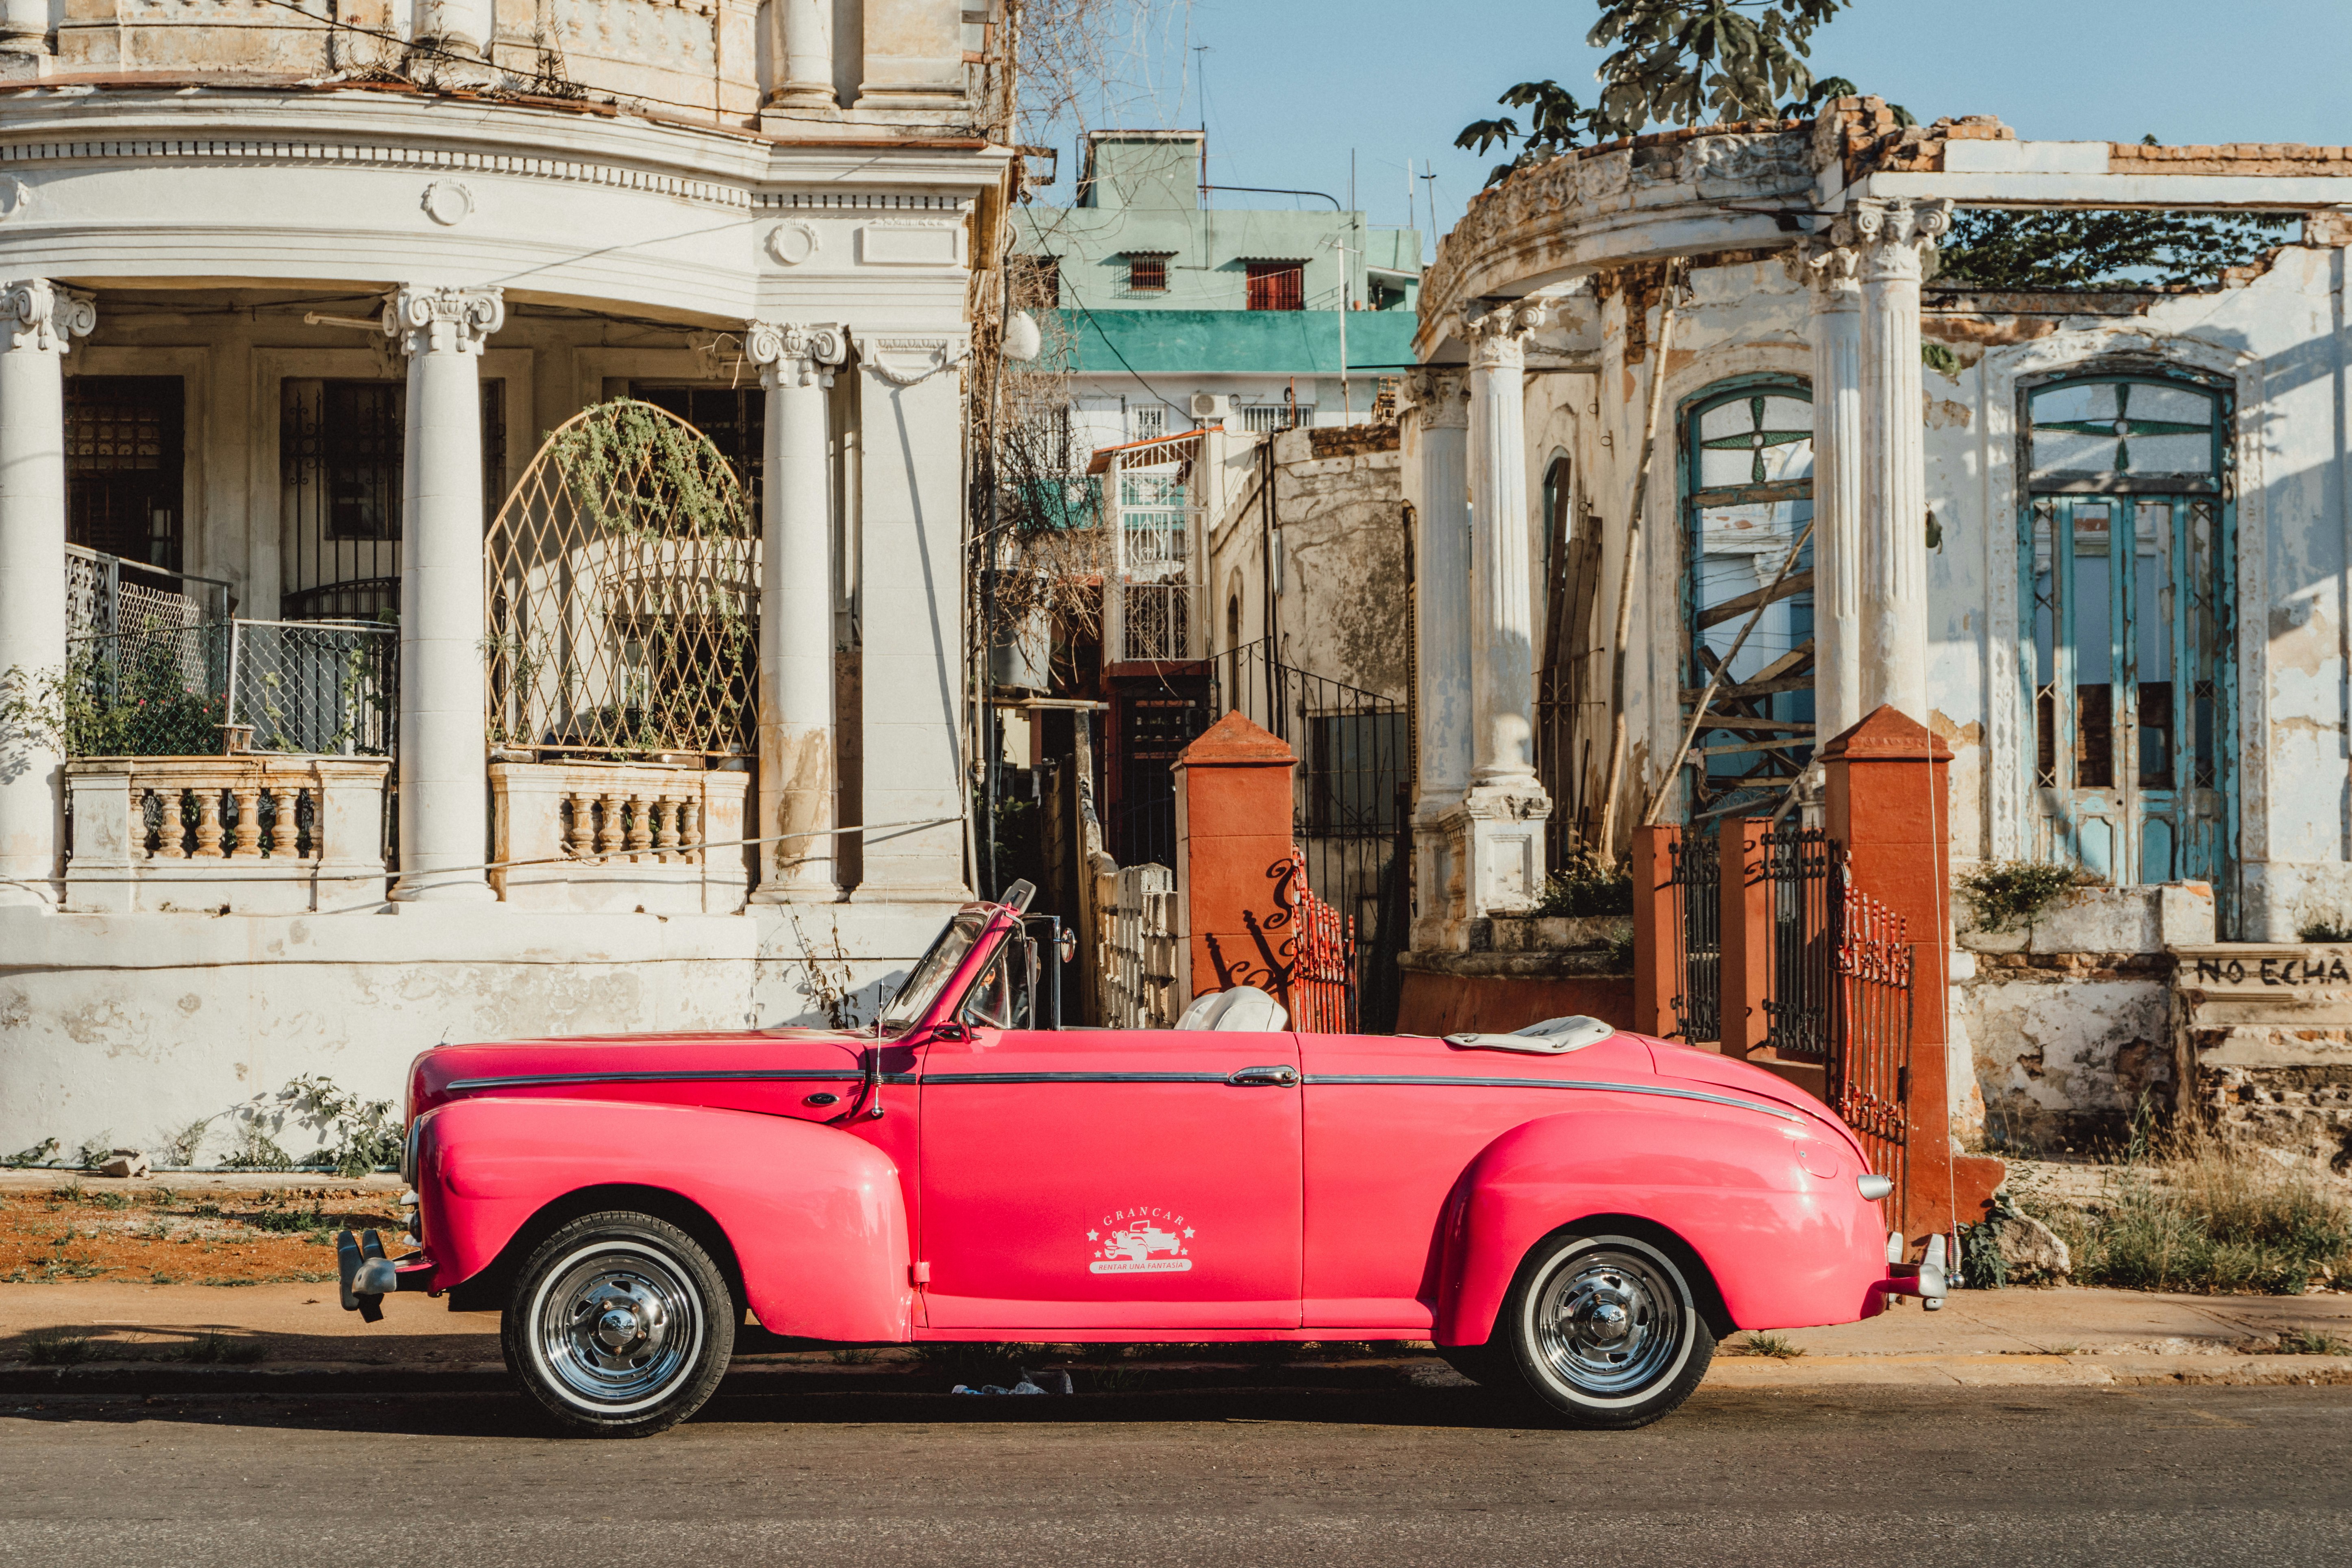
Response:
column 2061, row 1051
column 137, row 1024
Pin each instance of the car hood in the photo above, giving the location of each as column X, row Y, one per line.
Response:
column 634, row 1066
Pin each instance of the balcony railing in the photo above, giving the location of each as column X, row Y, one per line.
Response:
column 246, row 834
column 619, row 837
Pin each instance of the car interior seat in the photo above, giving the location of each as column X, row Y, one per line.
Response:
column 1242, row 1008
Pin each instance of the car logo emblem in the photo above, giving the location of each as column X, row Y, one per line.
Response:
column 1141, row 1240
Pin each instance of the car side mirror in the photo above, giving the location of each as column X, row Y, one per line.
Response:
column 950, row 1032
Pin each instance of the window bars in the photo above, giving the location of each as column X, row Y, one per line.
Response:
column 624, row 595
column 1696, row 881
column 1321, row 949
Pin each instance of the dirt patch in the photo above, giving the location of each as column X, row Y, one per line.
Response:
column 178, row 1237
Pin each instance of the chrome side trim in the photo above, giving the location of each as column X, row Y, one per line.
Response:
column 780, row 1075
column 971, row 1077
column 1417, row 1080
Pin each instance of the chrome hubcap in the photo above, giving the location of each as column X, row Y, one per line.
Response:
column 615, row 1328
column 1608, row 1322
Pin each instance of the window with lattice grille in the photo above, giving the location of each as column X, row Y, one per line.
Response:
column 1147, row 272
column 125, row 466
column 1276, row 285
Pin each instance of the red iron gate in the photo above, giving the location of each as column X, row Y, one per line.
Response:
column 1322, row 959
column 1870, row 1050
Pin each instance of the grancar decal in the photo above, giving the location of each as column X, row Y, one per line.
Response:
column 1141, row 1240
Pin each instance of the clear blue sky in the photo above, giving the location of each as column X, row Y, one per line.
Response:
column 1293, row 85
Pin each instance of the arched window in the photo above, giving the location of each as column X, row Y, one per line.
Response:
column 2124, row 560
column 1748, row 490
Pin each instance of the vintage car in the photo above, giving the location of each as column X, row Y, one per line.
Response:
column 1573, row 1214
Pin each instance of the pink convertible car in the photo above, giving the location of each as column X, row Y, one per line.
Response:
column 1570, row 1212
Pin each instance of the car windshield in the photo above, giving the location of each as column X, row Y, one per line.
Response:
column 931, row 976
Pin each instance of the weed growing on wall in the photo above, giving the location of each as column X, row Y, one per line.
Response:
column 1587, row 886
column 2011, row 895
column 2327, row 927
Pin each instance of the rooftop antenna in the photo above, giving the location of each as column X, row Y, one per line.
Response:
column 1200, row 101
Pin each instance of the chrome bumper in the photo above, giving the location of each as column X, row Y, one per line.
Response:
column 368, row 1276
column 1929, row 1279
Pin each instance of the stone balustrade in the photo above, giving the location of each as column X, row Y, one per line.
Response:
column 244, row 835
column 619, row 837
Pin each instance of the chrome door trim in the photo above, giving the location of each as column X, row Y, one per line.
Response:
column 746, row 1075
column 1431, row 1081
column 992, row 1077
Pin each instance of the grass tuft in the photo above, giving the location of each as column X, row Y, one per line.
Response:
column 1780, row 1347
column 2313, row 1342
column 58, row 1347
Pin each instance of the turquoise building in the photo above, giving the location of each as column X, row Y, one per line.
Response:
column 1176, row 311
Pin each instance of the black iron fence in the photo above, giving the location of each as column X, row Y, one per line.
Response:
column 1805, row 869
column 1350, row 801
column 1696, row 879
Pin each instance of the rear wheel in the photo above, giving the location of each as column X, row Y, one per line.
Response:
column 1606, row 1329
column 620, row 1325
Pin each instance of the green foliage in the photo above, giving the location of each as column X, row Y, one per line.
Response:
column 2214, row 1219
column 355, row 1136
column 1982, row 1267
column 1589, row 886
column 2313, row 1342
column 2008, row 895
column 632, row 469
column 2000, row 249
column 1940, row 359
column 211, row 1349
column 39, row 1153
column 1559, row 123
column 2327, row 927
column 1683, row 62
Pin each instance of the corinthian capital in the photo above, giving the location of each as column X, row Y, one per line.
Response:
column 1498, row 333
column 1438, row 399
column 45, row 317
column 437, row 319
column 1894, row 234
column 1834, row 267
column 789, row 354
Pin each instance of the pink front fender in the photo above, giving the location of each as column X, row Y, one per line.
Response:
column 816, row 1217
column 1787, row 1248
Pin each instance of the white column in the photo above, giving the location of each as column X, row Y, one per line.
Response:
column 806, row 50
column 1836, row 270
column 444, row 801
column 457, row 26
column 910, row 589
column 1503, row 812
column 1502, row 605
column 796, row 665
column 1895, row 236
column 1437, row 440
column 23, row 39
column 39, row 320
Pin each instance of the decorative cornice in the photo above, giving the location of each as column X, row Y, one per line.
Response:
column 903, row 362
column 42, row 317
column 789, row 354
column 568, row 171
column 435, row 318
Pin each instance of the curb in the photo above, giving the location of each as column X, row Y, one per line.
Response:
column 759, row 1379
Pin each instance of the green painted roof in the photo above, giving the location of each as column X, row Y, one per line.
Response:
column 1237, row 342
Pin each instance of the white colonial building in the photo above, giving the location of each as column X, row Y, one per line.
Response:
column 293, row 294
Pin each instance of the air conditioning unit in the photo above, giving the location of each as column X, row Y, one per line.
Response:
column 1210, row 407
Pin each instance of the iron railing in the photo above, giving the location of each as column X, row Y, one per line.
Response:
column 174, row 690
column 1322, row 952
column 1805, row 869
column 1349, row 802
column 1696, row 881
column 1869, row 1078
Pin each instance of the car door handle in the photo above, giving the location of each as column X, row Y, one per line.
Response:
column 1282, row 1076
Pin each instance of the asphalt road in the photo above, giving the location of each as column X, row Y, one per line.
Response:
column 1876, row 1475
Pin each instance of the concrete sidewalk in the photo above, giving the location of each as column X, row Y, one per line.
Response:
column 296, row 1338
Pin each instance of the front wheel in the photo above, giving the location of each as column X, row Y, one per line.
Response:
column 1606, row 1331
column 620, row 1325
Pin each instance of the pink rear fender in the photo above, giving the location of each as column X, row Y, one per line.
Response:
column 817, row 1217
column 1788, row 1243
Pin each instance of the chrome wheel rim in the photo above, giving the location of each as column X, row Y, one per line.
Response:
column 616, row 1328
column 1609, row 1323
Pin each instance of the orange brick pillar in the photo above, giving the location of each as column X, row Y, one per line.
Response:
column 1746, row 915
column 1657, row 937
column 1889, row 804
column 1232, row 860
